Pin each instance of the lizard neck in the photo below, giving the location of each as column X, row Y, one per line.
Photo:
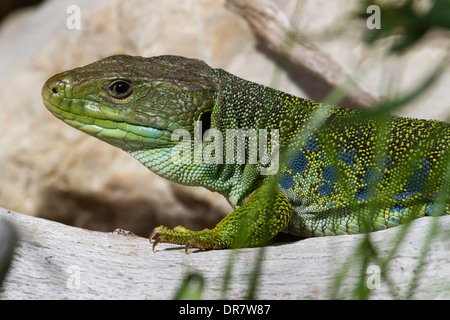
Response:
column 241, row 109
column 191, row 172
column 244, row 104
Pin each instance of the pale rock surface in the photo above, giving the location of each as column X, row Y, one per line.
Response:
column 55, row 261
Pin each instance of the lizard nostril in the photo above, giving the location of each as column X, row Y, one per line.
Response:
column 56, row 87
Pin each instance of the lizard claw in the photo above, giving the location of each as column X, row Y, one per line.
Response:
column 157, row 239
column 156, row 243
column 186, row 249
column 182, row 236
column 163, row 234
column 152, row 234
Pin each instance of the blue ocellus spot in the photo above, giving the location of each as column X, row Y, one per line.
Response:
column 395, row 219
column 429, row 208
column 286, row 181
column 387, row 162
column 347, row 156
column 325, row 189
column 400, row 196
column 418, row 181
column 329, row 174
column 372, row 176
column 299, row 163
column 361, row 194
column 312, row 144
column 396, row 209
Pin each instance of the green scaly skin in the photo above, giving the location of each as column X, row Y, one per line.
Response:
column 354, row 173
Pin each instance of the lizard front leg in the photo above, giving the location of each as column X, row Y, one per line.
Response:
column 266, row 213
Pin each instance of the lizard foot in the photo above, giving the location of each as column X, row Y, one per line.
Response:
column 266, row 213
column 205, row 239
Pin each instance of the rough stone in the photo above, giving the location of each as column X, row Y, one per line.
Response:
column 55, row 261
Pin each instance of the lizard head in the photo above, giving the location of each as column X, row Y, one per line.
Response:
column 133, row 102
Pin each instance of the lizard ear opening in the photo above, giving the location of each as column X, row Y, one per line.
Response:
column 205, row 118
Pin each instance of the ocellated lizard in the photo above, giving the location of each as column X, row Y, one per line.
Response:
column 341, row 171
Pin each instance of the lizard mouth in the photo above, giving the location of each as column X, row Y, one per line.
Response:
column 127, row 130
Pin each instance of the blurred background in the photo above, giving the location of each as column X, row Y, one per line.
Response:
column 50, row 170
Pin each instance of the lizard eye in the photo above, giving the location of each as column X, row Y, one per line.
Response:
column 120, row 89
